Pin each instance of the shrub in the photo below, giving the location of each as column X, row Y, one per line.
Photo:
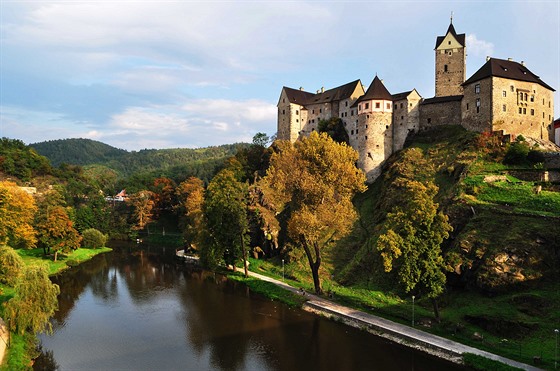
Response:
column 517, row 153
column 11, row 265
column 92, row 238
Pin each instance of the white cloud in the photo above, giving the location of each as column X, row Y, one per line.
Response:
column 479, row 48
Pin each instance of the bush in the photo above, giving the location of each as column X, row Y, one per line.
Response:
column 92, row 238
column 11, row 265
column 517, row 153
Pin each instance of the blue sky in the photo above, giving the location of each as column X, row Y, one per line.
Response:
column 167, row 74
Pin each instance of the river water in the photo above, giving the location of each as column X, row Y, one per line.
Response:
column 137, row 309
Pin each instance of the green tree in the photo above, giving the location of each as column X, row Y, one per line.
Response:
column 11, row 265
column 17, row 212
column 34, row 302
column 93, row 238
column 314, row 181
column 334, row 127
column 411, row 238
column 226, row 214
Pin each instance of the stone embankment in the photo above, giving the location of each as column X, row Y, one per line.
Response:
column 396, row 332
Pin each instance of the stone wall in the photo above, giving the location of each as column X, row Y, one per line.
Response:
column 406, row 118
column 442, row 113
column 450, row 67
column 476, row 106
column 374, row 142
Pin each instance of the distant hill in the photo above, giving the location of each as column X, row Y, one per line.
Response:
column 77, row 151
column 166, row 162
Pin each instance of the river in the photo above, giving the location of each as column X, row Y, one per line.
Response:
column 137, row 309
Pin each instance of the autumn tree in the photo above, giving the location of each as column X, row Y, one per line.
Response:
column 34, row 302
column 17, row 212
column 226, row 215
column 143, row 205
column 314, row 181
column 57, row 232
column 190, row 195
column 163, row 194
column 411, row 238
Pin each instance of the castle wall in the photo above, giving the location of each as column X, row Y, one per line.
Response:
column 442, row 113
column 374, row 142
column 514, row 107
column 316, row 113
column 406, row 119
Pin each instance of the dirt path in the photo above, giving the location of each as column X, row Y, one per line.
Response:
column 397, row 332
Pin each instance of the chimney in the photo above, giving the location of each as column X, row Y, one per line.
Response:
column 322, row 89
column 487, row 58
column 301, row 88
column 523, row 63
column 510, row 59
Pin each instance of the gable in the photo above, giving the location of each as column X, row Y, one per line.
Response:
column 449, row 42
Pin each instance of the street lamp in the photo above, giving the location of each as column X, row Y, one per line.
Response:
column 556, row 349
column 413, row 310
column 282, row 269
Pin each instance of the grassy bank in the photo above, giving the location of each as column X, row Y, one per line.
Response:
column 23, row 347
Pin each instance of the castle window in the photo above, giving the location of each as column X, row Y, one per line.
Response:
column 477, row 89
column 524, row 110
column 543, row 115
column 320, row 110
column 386, row 126
column 283, row 111
column 532, row 112
column 352, row 132
column 352, row 113
column 520, row 110
column 429, row 121
column 346, row 104
column 312, row 111
column 504, row 108
column 532, row 98
column 388, row 105
column 367, row 105
column 467, row 106
column 504, row 93
column 520, row 96
column 356, row 131
column 366, row 126
column 525, row 97
column 449, row 43
column 511, row 88
column 410, row 104
column 548, row 104
column 444, row 68
column 366, row 137
column 401, row 105
column 402, row 117
column 297, row 112
column 297, row 120
column 377, row 105
column 477, row 105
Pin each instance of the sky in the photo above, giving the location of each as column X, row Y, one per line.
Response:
column 188, row 74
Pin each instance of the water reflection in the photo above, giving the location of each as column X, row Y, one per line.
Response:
column 137, row 309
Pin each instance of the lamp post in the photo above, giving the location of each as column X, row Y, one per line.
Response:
column 413, row 310
column 556, row 349
column 282, row 269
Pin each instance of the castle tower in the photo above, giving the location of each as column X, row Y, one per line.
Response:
column 451, row 55
column 374, row 129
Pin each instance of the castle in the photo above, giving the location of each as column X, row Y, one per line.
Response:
column 502, row 96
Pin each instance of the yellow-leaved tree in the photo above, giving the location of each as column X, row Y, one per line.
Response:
column 17, row 212
column 314, row 181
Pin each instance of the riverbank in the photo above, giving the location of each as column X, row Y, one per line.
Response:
column 401, row 334
column 35, row 256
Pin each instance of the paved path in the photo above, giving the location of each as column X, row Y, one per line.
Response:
column 397, row 330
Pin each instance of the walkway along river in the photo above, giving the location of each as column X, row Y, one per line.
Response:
column 135, row 308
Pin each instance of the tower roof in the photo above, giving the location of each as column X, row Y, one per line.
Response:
column 451, row 30
column 376, row 90
column 506, row 69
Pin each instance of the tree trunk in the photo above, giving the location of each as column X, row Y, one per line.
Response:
column 55, row 255
column 314, row 265
column 244, row 256
column 436, row 310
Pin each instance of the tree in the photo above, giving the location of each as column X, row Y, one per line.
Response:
column 34, row 302
column 92, row 238
column 57, row 232
column 334, row 127
column 226, row 214
column 143, row 204
column 17, row 211
column 261, row 139
column 190, row 195
column 314, row 181
column 410, row 243
column 11, row 265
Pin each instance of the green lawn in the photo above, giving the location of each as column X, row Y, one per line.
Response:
column 64, row 261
